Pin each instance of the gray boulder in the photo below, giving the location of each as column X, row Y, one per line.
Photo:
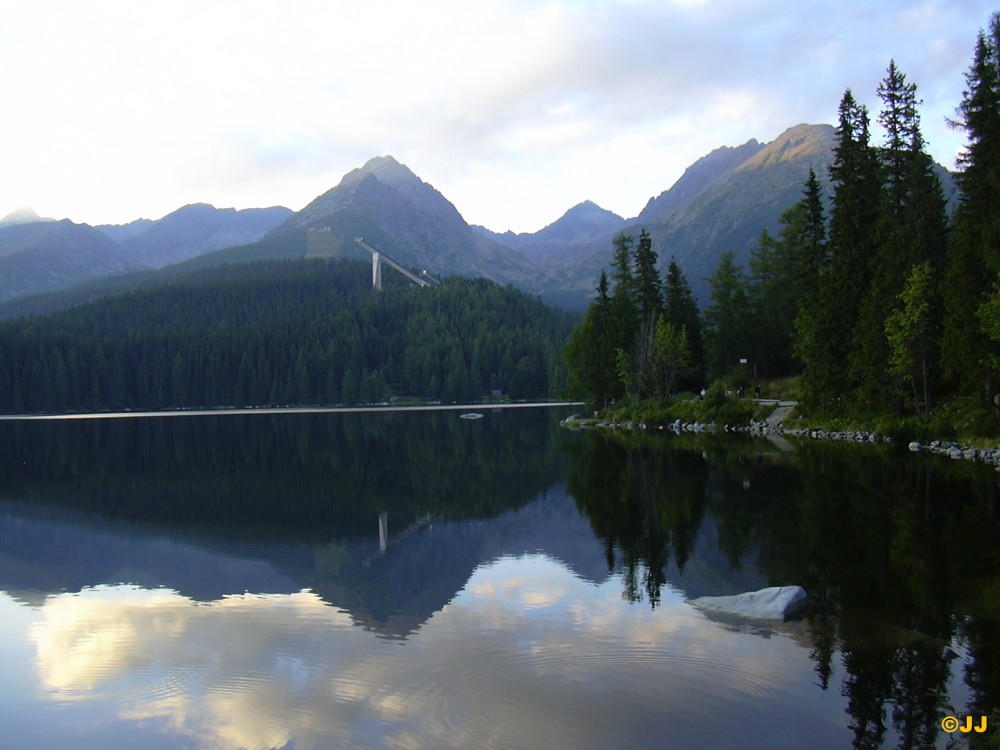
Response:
column 774, row 603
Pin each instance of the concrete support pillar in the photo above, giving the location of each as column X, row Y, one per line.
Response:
column 376, row 271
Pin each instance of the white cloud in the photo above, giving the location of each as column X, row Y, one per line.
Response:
column 514, row 109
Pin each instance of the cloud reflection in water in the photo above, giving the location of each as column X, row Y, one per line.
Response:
column 527, row 654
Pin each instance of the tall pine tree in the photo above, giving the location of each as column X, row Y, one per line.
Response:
column 974, row 254
column 648, row 288
column 648, row 301
column 825, row 333
column 815, row 253
column 911, row 229
column 726, row 318
column 681, row 311
column 624, row 318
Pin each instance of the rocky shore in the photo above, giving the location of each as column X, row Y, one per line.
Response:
column 773, row 425
column 949, row 448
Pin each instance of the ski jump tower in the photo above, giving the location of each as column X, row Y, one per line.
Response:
column 378, row 258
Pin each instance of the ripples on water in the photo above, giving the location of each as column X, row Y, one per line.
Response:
column 496, row 667
column 487, row 595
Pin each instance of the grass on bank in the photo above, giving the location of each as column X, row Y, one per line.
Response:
column 961, row 420
column 720, row 406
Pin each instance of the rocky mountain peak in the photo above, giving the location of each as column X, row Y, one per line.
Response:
column 800, row 142
column 23, row 215
column 589, row 209
column 701, row 175
column 386, row 169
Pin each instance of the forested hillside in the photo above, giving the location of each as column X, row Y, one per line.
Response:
column 294, row 332
column 880, row 301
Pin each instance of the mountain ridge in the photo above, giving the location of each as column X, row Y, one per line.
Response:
column 47, row 256
column 400, row 214
column 198, row 228
column 559, row 239
column 701, row 175
column 722, row 202
column 39, row 256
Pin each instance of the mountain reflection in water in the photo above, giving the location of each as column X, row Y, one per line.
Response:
column 422, row 580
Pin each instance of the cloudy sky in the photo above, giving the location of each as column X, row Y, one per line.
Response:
column 515, row 110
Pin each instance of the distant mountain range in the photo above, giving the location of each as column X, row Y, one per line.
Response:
column 557, row 242
column 43, row 255
column 721, row 203
column 193, row 230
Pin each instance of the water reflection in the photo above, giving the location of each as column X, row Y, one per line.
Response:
column 421, row 580
column 898, row 553
column 513, row 661
column 283, row 475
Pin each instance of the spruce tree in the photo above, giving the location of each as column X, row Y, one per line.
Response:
column 726, row 318
column 681, row 311
column 812, row 264
column 648, row 288
column 768, row 291
column 814, row 252
column 780, row 277
column 590, row 352
column 901, row 122
column 826, row 327
column 623, row 305
column 621, row 266
column 974, row 253
column 647, row 295
column 854, row 172
column 911, row 229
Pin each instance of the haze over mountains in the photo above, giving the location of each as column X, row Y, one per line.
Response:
column 43, row 255
column 721, row 203
column 193, row 230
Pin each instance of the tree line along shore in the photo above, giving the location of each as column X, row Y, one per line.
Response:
column 872, row 307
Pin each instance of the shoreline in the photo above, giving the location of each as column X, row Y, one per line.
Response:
column 945, row 448
column 246, row 410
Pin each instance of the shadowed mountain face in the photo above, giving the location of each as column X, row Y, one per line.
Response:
column 743, row 199
column 560, row 239
column 46, row 256
column 39, row 255
column 705, row 173
column 401, row 215
column 721, row 203
column 193, row 230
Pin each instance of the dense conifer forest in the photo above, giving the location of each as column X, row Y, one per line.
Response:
column 307, row 332
column 874, row 296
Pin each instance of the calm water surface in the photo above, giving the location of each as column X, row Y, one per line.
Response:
column 423, row 581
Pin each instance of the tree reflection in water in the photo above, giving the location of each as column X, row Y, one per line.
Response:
column 898, row 553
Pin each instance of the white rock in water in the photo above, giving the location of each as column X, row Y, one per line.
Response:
column 775, row 603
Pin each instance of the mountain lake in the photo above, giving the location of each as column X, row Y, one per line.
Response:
column 419, row 580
